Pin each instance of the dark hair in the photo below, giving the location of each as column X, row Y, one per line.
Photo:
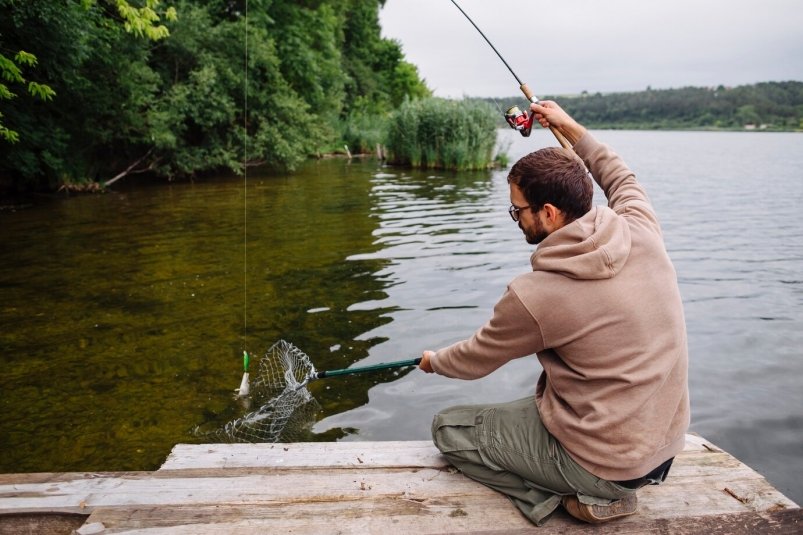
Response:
column 557, row 176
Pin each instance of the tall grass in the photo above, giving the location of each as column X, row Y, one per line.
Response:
column 363, row 132
column 436, row 133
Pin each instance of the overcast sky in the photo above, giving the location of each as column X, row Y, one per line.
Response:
column 568, row 46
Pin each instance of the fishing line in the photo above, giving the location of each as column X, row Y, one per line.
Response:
column 498, row 106
column 515, row 117
column 244, row 384
column 489, row 43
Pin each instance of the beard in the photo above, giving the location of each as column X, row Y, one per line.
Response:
column 535, row 234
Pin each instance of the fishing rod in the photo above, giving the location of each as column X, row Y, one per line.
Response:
column 286, row 368
column 313, row 375
column 517, row 119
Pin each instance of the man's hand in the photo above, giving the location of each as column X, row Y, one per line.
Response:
column 548, row 113
column 425, row 363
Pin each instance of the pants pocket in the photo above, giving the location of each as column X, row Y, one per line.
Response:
column 460, row 434
column 454, row 429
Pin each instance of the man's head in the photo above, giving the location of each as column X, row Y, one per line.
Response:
column 549, row 188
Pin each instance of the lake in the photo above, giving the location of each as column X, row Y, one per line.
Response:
column 124, row 315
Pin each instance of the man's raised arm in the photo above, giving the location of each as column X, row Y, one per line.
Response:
column 625, row 195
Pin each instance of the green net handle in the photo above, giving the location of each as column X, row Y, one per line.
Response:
column 373, row 368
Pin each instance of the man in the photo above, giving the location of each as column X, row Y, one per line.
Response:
column 603, row 312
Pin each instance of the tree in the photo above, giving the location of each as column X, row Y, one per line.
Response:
column 95, row 66
column 776, row 104
column 747, row 114
column 142, row 90
column 406, row 82
column 142, row 21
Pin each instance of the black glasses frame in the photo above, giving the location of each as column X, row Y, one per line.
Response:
column 514, row 211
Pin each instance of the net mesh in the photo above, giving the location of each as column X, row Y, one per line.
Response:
column 285, row 406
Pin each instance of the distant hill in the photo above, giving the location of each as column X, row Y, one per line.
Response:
column 773, row 106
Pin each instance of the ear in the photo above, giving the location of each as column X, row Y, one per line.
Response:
column 552, row 212
column 554, row 216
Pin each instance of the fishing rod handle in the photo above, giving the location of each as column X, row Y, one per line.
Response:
column 372, row 368
column 528, row 93
column 561, row 138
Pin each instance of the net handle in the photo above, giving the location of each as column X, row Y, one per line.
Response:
column 372, row 368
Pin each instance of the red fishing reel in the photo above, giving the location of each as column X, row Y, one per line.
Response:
column 519, row 120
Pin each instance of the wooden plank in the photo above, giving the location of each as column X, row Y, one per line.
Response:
column 392, row 515
column 40, row 524
column 684, row 494
column 788, row 522
column 397, row 454
column 488, row 515
column 366, row 487
column 9, row 480
column 695, row 442
column 306, row 455
column 83, row 495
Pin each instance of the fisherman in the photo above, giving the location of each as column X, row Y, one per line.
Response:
column 602, row 311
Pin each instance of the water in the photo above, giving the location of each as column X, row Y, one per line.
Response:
column 124, row 315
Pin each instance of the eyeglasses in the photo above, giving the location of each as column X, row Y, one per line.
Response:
column 514, row 211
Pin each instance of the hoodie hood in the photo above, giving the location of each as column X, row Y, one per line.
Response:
column 595, row 246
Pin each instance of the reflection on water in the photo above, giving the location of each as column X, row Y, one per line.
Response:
column 124, row 315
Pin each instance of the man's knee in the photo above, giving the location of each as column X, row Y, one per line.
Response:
column 436, row 423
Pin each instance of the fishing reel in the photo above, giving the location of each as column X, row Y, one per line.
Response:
column 519, row 120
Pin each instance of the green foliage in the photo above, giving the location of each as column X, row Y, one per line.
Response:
column 307, row 45
column 198, row 122
column 502, row 160
column 362, row 132
column 775, row 105
column 140, row 21
column 41, row 91
column 443, row 134
column 127, row 96
column 10, row 72
column 406, row 83
column 372, row 63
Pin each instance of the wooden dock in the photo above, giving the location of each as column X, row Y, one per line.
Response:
column 366, row 487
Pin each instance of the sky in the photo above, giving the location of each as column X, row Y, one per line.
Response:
column 570, row 46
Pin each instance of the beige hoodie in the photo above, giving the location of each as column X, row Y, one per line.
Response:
column 603, row 312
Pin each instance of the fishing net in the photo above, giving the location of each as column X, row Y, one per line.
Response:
column 279, row 389
column 285, row 405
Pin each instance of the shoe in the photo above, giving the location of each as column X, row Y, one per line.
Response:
column 596, row 514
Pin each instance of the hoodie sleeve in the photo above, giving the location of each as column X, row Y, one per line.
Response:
column 510, row 334
column 625, row 195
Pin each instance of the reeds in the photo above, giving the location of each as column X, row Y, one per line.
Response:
column 363, row 132
column 436, row 133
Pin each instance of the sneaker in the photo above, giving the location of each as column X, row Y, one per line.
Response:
column 596, row 514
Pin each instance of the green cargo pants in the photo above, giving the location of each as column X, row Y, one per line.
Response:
column 507, row 448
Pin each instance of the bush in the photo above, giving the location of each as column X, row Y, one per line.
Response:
column 436, row 133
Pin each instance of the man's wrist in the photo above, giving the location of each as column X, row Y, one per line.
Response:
column 574, row 132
